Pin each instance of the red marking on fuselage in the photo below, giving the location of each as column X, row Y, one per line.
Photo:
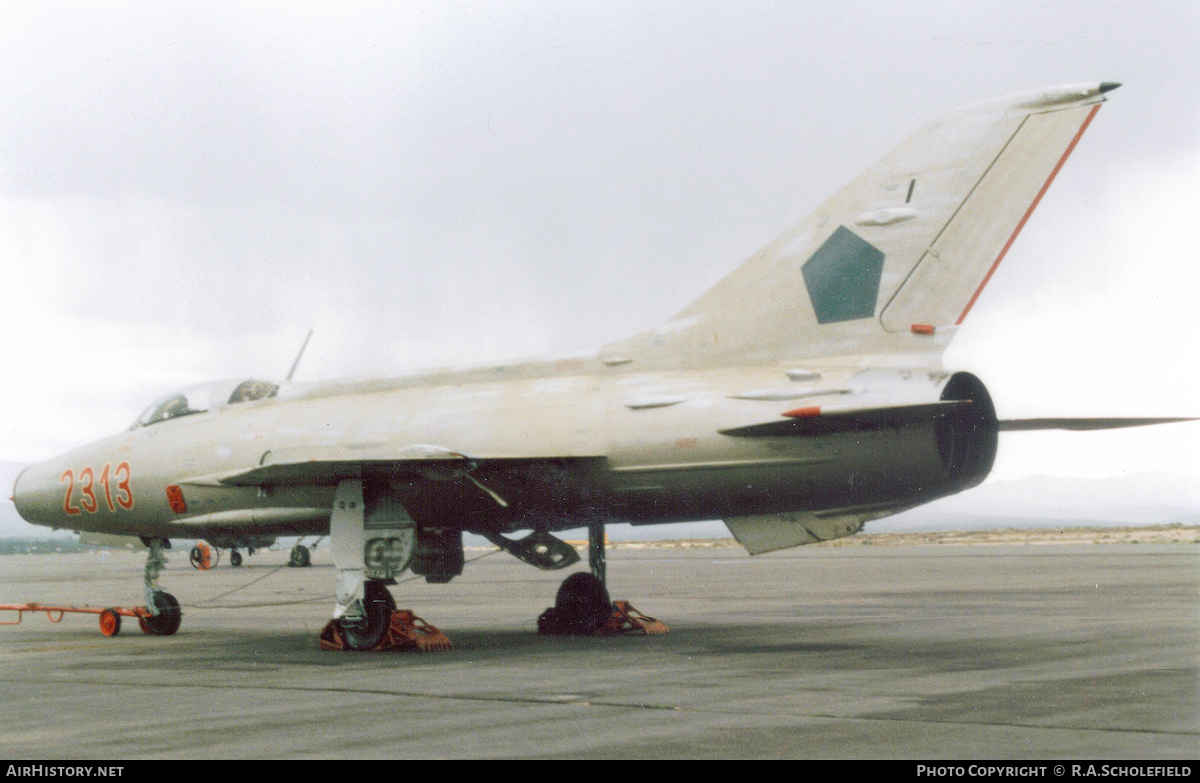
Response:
column 104, row 483
column 88, row 501
column 123, row 486
column 803, row 413
column 69, row 477
column 1028, row 212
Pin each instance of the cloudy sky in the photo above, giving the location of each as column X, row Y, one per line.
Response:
column 186, row 189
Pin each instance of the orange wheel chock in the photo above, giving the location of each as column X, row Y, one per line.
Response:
column 627, row 620
column 407, row 633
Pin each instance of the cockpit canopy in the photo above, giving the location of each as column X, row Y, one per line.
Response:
column 208, row 396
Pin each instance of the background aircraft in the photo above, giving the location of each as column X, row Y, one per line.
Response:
column 797, row 399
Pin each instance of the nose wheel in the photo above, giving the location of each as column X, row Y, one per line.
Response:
column 235, row 558
column 167, row 618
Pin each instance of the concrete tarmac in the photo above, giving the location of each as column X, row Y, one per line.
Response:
column 969, row 652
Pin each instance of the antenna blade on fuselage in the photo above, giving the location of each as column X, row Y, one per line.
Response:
column 296, row 363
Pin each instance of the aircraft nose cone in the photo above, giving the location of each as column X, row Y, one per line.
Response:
column 13, row 495
column 35, row 494
column 19, row 495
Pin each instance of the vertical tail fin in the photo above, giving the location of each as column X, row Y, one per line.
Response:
column 896, row 258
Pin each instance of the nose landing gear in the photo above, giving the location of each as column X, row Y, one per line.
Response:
column 165, row 614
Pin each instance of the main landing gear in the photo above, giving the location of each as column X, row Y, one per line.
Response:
column 373, row 541
column 165, row 614
column 235, row 557
column 300, row 557
column 583, row 606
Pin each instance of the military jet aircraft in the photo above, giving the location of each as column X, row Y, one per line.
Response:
column 799, row 398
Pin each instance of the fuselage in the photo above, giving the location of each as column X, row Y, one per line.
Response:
column 564, row 443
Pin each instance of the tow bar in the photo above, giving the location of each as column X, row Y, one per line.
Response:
column 110, row 618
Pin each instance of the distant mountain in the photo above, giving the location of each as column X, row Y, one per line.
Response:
column 1150, row 498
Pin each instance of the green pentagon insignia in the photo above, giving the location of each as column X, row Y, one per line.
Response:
column 843, row 277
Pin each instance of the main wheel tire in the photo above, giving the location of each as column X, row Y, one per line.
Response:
column 235, row 559
column 196, row 557
column 582, row 603
column 301, row 557
column 110, row 622
column 378, row 606
column 166, row 621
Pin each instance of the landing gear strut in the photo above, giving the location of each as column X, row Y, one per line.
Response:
column 596, row 554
